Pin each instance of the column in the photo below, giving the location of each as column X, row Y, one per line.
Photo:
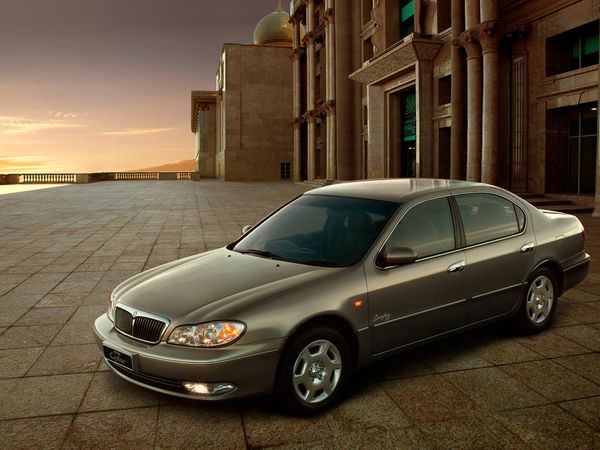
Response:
column 297, row 112
column 596, row 212
column 310, row 81
column 331, row 169
column 471, row 13
column 489, row 38
column 474, row 83
column 425, row 50
column 489, row 10
column 458, row 136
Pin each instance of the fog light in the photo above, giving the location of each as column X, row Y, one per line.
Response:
column 208, row 388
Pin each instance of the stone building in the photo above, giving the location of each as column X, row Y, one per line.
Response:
column 243, row 128
column 499, row 91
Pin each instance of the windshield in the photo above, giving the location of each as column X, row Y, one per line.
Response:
column 319, row 230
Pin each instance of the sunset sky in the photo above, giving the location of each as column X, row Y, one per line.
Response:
column 104, row 85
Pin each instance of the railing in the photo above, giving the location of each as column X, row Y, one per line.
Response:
column 136, row 176
column 60, row 178
column 48, row 178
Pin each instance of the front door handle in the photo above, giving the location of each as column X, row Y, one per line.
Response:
column 456, row 267
column 527, row 247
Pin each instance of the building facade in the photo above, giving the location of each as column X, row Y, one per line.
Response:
column 243, row 128
column 499, row 91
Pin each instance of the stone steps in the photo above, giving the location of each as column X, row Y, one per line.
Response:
column 542, row 201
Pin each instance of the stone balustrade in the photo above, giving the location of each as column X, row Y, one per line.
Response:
column 63, row 178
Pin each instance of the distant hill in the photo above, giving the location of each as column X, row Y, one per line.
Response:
column 187, row 165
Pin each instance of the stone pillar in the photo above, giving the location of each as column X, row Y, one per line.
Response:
column 471, row 13
column 331, row 168
column 297, row 111
column 489, row 10
column 596, row 212
column 458, row 135
column 425, row 50
column 311, row 91
column 490, row 37
column 474, row 83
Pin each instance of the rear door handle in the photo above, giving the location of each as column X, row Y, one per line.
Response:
column 527, row 247
column 456, row 267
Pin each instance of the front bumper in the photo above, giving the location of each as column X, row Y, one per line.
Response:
column 250, row 369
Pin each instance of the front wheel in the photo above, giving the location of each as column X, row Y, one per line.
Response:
column 538, row 305
column 314, row 371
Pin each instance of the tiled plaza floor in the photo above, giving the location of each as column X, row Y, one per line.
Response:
column 62, row 251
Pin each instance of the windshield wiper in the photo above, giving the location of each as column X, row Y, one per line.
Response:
column 263, row 253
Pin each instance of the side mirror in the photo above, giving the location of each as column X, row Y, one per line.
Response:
column 397, row 256
column 246, row 229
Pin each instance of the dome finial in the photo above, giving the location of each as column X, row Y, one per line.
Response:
column 279, row 8
column 274, row 29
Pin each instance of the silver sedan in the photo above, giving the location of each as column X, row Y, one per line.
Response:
column 335, row 280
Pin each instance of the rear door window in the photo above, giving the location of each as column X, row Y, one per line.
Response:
column 487, row 217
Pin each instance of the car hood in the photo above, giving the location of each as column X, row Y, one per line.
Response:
column 179, row 288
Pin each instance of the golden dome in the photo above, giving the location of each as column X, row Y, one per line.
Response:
column 274, row 29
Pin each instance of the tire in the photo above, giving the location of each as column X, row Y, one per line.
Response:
column 539, row 302
column 314, row 371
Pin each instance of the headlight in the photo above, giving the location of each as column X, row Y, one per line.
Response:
column 111, row 308
column 210, row 334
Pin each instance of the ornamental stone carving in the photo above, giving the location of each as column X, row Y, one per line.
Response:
column 386, row 64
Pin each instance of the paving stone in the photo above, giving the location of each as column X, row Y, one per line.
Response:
column 552, row 380
column 506, row 351
column 16, row 300
column 42, row 396
column 269, row 428
column 584, row 335
column 40, row 432
column 87, row 314
column 28, row 336
column 75, row 333
column 402, row 366
column 54, row 300
column 67, row 359
column 587, row 410
column 403, row 439
column 133, row 428
column 493, row 389
column 369, row 409
column 549, row 427
column 109, row 391
column 16, row 362
column 587, row 366
column 46, row 316
column 429, row 398
column 551, row 345
column 199, row 426
column 579, row 312
column 469, row 433
column 8, row 316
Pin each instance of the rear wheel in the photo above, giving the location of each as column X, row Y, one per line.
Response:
column 314, row 371
column 538, row 305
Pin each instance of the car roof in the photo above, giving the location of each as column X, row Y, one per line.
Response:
column 392, row 189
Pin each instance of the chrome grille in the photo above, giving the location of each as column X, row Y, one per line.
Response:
column 123, row 321
column 139, row 325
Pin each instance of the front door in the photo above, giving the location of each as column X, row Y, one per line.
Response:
column 415, row 301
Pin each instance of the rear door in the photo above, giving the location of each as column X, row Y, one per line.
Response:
column 499, row 253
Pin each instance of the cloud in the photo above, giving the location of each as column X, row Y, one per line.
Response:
column 19, row 164
column 138, row 131
column 18, row 125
